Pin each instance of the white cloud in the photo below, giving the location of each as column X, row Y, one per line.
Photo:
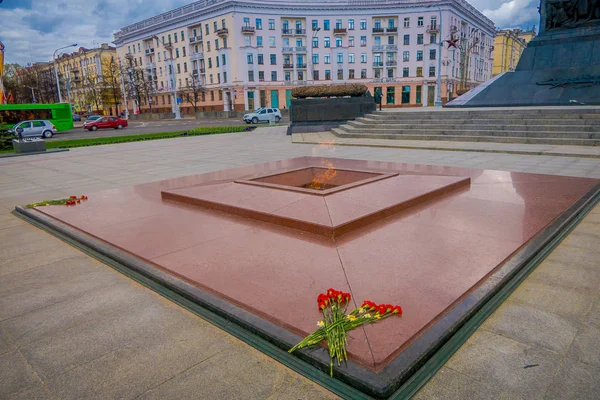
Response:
column 510, row 14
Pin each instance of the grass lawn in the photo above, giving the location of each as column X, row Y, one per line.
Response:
column 208, row 130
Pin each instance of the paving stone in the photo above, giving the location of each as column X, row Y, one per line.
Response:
column 52, row 283
column 586, row 346
column 47, row 255
column 583, row 241
column 257, row 377
column 9, row 221
column 17, row 375
column 124, row 373
column 448, row 384
column 575, row 380
column 37, row 392
column 566, row 255
column 569, row 303
column 568, row 274
column 532, row 326
column 594, row 316
column 504, row 363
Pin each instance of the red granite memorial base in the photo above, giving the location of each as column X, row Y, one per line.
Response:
column 420, row 236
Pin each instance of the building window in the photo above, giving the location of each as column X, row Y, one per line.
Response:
column 209, row 62
column 250, row 58
column 363, row 57
column 224, row 59
column 208, row 45
column 405, row 56
column 406, row 40
column 326, row 42
column 433, row 38
column 390, row 73
column 340, row 74
column 338, row 41
column 420, row 38
column 390, row 39
column 207, row 29
column 215, row 27
column 390, row 95
column 351, row 24
column 272, row 24
column 184, row 67
column 363, row 74
column 405, row 71
column 432, row 54
column 363, row 24
column 391, row 23
column 258, row 23
column 273, row 58
column 419, row 90
column 351, row 41
column 432, row 71
column 176, row 53
column 212, row 95
column 315, row 24
column 224, row 77
column 351, row 58
column 377, row 74
column 271, row 41
column 246, row 21
column 433, row 22
column 259, row 41
column 325, row 24
column 420, row 21
column 419, row 55
column 261, row 76
column 225, row 43
column 405, row 94
column 251, row 76
column 299, row 42
column 327, row 58
column 315, row 42
column 338, row 24
column 219, row 79
column 274, row 76
column 327, row 75
column 363, row 41
column 288, row 76
column 223, row 24
column 377, row 24
column 315, row 59
column 407, row 22
column 340, row 58
column 300, row 75
column 315, row 75
column 260, row 59
column 175, row 35
column 178, row 68
column 247, row 41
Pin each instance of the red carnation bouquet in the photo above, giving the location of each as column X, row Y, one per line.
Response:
column 336, row 323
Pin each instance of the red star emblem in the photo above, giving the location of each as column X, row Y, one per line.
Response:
column 452, row 42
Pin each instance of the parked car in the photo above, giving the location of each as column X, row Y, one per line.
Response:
column 105, row 122
column 90, row 118
column 263, row 114
column 35, row 128
column 76, row 118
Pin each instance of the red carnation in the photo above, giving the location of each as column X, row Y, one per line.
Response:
column 78, row 201
column 398, row 310
column 73, row 197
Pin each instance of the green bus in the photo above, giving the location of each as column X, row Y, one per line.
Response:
column 60, row 114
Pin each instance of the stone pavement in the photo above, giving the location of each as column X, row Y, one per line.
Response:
column 71, row 327
column 480, row 147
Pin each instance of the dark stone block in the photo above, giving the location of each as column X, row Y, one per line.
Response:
column 526, row 61
column 29, row 146
column 561, row 55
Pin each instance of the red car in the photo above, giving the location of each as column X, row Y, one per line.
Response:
column 105, row 122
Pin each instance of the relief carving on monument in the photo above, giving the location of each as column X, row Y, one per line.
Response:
column 571, row 13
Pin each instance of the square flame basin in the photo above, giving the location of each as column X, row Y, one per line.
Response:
column 424, row 237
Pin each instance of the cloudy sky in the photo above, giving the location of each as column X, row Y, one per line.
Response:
column 32, row 29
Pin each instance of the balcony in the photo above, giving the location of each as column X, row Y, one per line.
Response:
column 202, row 70
column 301, row 66
column 223, row 32
column 197, row 56
column 433, row 28
column 392, row 29
column 287, row 65
column 300, row 49
column 300, row 83
column 289, row 31
column 385, row 47
column 149, row 51
column 391, row 63
column 377, row 64
column 248, row 30
column 287, row 49
column 385, row 80
column 150, row 65
column 378, row 30
column 340, row 31
column 195, row 39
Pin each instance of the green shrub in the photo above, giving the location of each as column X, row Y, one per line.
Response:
column 6, row 139
column 351, row 89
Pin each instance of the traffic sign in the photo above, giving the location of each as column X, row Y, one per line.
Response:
column 179, row 100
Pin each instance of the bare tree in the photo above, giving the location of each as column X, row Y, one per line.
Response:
column 111, row 82
column 193, row 90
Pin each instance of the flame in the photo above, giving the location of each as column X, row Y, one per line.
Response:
column 320, row 179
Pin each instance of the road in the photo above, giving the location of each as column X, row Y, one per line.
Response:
column 145, row 127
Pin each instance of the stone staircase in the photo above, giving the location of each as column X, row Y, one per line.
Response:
column 560, row 126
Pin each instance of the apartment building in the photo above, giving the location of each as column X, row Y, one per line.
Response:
column 508, row 47
column 245, row 54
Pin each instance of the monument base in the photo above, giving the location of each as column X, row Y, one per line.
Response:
column 556, row 69
column 29, row 146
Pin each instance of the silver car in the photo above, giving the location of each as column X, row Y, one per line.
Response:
column 263, row 114
column 35, row 128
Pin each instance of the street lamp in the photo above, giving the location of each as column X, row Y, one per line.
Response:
column 55, row 70
column 32, row 93
column 438, row 80
column 169, row 47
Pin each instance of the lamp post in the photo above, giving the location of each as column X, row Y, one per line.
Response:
column 438, row 81
column 312, row 64
column 32, row 93
column 55, row 70
column 124, row 91
column 169, row 47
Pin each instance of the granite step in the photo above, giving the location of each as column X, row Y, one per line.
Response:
column 484, row 121
column 441, row 116
column 472, row 126
column 473, row 138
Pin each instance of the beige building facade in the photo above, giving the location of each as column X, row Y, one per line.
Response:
column 246, row 54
